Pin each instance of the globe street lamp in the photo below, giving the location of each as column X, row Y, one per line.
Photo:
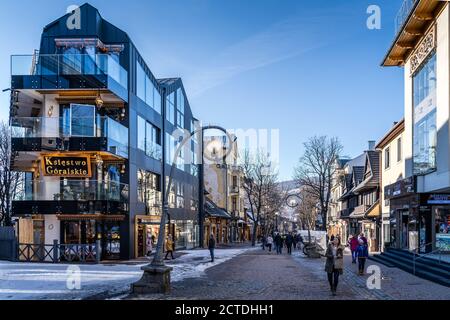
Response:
column 156, row 277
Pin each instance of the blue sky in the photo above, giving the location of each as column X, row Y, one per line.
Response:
column 303, row 67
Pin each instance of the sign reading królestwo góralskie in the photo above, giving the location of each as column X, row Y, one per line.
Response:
column 67, row 166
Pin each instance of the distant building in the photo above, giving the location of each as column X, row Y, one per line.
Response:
column 392, row 168
column 223, row 181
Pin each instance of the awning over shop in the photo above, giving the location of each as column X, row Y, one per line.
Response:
column 374, row 211
column 359, row 212
column 214, row 211
column 84, row 217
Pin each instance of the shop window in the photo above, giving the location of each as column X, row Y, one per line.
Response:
column 442, row 228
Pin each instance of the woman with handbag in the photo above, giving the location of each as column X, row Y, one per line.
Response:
column 334, row 265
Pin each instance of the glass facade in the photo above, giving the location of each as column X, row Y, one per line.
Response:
column 180, row 108
column 170, row 108
column 425, row 133
column 149, row 139
column 146, row 90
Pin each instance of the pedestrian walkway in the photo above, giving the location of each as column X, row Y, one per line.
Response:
column 258, row 275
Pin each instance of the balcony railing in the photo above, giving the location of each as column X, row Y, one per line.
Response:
column 403, row 14
column 60, row 127
column 73, row 190
column 60, row 65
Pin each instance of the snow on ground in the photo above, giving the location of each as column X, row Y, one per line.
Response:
column 38, row 281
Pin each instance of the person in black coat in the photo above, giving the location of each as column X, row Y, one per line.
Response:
column 211, row 246
column 279, row 243
column 289, row 242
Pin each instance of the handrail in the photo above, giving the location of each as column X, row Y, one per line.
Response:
column 417, row 256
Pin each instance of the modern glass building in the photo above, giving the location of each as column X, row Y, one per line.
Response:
column 92, row 128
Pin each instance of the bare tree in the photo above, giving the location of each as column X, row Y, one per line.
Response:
column 273, row 203
column 316, row 169
column 11, row 182
column 260, row 185
column 307, row 209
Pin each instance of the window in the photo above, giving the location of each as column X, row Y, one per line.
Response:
column 82, row 121
column 146, row 90
column 386, row 233
column 399, row 149
column 170, row 148
column 234, row 204
column 387, row 158
column 149, row 191
column 140, row 82
column 180, row 195
column 424, row 130
column 180, row 108
column 170, row 108
column 149, row 139
column 141, row 133
column 157, row 101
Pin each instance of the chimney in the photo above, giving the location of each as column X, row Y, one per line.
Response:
column 371, row 145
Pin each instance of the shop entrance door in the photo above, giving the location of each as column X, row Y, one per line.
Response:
column 404, row 216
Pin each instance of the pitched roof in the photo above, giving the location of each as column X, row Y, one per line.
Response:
column 371, row 172
column 358, row 175
column 393, row 133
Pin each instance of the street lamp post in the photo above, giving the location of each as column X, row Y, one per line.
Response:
column 276, row 221
column 156, row 277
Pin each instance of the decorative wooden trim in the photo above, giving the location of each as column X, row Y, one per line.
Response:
column 425, row 47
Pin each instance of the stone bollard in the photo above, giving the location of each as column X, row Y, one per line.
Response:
column 156, row 279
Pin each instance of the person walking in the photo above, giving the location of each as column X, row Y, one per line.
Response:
column 279, row 243
column 263, row 242
column 289, row 241
column 169, row 247
column 362, row 252
column 353, row 244
column 363, row 238
column 149, row 244
column 334, row 265
column 269, row 242
column 211, row 246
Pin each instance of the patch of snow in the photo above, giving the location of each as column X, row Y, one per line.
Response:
column 38, row 281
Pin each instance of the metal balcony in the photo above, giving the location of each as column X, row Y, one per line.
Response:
column 69, row 71
column 56, row 134
column 71, row 197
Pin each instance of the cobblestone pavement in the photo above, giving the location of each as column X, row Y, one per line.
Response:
column 260, row 275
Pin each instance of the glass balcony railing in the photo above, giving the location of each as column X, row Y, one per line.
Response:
column 61, row 127
column 69, row 65
column 73, row 190
column 403, row 14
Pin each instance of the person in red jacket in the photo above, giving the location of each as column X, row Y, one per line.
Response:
column 353, row 244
